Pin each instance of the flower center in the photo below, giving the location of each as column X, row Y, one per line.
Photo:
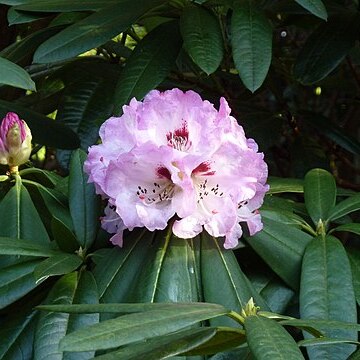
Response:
column 179, row 139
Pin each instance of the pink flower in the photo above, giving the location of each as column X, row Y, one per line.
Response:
column 15, row 141
column 175, row 155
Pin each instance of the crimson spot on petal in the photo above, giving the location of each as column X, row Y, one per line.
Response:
column 163, row 172
column 203, row 169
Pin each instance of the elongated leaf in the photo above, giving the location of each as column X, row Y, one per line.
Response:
column 268, row 340
column 164, row 346
column 326, row 341
column 282, row 248
column 280, row 185
column 44, row 130
column 14, row 75
column 57, row 265
column 93, row 31
column 148, row 65
column 18, row 333
column 136, row 327
column 326, row 47
column 16, row 281
column 202, row 37
column 84, row 204
column 86, row 293
column 352, row 227
column 117, row 308
column 320, row 194
column 8, row 246
column 51, row 327
column 251, row 40
column 325, row 262
column 316, row 7
column 19, row 217
column 63, row 236
column 169, row 261
column 323, row 325
column 236, row 289
column 354, row 257
column 63, row 6
column 345, row 207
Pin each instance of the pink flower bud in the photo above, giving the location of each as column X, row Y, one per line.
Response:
column 15, row 141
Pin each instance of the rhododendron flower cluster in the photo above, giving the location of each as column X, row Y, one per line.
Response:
column 175, row 155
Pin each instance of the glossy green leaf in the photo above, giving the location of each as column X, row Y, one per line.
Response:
column 16, row 281
column 202, row 37
column 14, row 75
column 282, row 248
column 164, row 346
column 316, row 7
column 322, row 325
column 40, row 176
column 224, row 339
column 148, row 65
column 93, row 31
column 19, row 217
column 63, row 236
column 326, row 341
column 137, row 327
column 116, row 269
column 18, row 332
column 236, row 289
column 8, row 246
column 83, row 202
column 268, row 340
column 320, row 194
column 326, row 47
column 354, row 257
column 51, row 327
column 86, row 293
column 169, row 261
column 118, row 308
column 44, row 130
column 251, row 40
column 345, row 207
column 57, row 265
column 325, row 262
column 63, row 6
column 351, row 227
column 18, row 17
column 281, row 185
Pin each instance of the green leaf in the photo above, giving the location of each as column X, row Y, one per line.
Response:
column 281, row 185
column 224, row 339
column 19, row 217
column 351, row 227
column 316, row 7
column 51, row 327
column 326, row 341
column 14, row 75
column 327, row 292
column 162, row 347
column 18, row 17
column 251, row 40
column 93, row 31
column 202, row 37
column 16, row 281
column 323, row 325
column 345, row 207
column 355, row 355
column 236, row 289
column 268, row 340
column 63, row 6
column 169, row 261
column 149, row 64
column 18, row 332
column 117, row 308
column 45, row 131
column 354, row 257
column 8, row 246
column 137, row 327
column 57, row 265
column 326, row 47
column 83, row 202
column 63, row 236
column 116, row 269
column 282, row 248
column 320, row 194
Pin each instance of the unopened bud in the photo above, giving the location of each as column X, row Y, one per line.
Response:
column 15, row 141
